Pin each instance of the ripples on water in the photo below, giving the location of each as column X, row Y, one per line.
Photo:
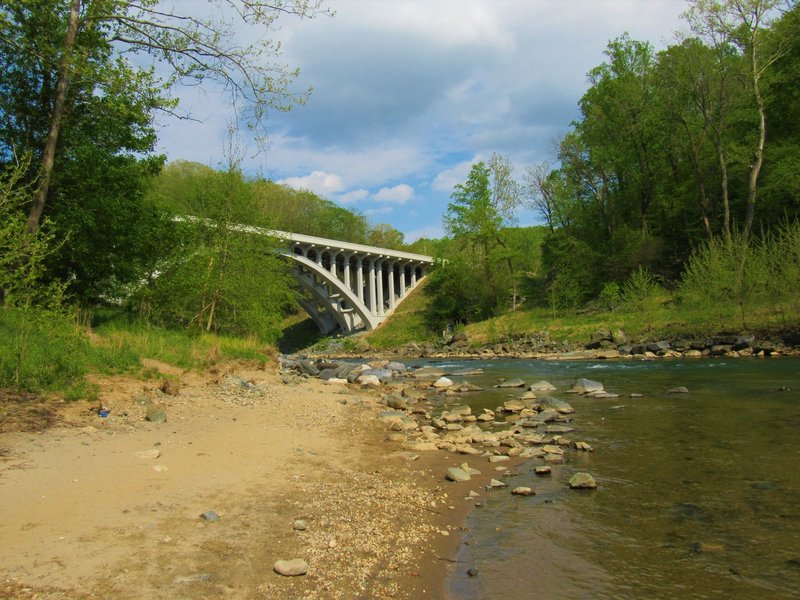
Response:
column 699, row 494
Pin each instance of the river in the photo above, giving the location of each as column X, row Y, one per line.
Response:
column 698, row 494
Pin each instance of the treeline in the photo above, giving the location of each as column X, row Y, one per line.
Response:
column 690, row 153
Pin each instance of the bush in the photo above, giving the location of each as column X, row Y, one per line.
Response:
column 727, row 275
column 642, row 292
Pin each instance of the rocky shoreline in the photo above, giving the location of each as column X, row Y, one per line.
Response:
column 426, row 412
column 603, row 344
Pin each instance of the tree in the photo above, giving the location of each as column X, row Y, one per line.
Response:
column 744, row 23
column 475, row 218
column 84, row 43
column 222, row 279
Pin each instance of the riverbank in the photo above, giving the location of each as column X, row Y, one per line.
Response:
column 602, row 344
column 205, row 503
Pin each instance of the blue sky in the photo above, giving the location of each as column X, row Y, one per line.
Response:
column 409, row 94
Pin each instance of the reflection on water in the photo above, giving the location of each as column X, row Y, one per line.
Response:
column 699, row 494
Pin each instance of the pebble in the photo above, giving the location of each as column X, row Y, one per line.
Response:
column 523, row 491
column 299, row 525
column 209, row 515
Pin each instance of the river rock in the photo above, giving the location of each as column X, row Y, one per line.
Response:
column 542, row 386
column 678, row 390
column 495, row 484
column 582, row 481
column 457, row 474
column 511, row 383
column 563, row 407
column 156, row 414
column 523, row 491
column 396, row 402
column 583, row 386
column 414, row 394
column 467, row 469
column 442, row 383
column 291, row 568
column 368, row 380
column 546, row 416
column 543, row 470
column 429, row 372
column 299, row 525
column 515, row 405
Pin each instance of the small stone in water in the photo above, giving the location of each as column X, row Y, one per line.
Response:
column 523, row 491
column 582, row 481
column 472, row 572
column 543, row 470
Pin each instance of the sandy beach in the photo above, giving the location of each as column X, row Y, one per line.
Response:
column 112, row 507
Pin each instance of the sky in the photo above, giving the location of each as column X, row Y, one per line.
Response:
column 408, row 95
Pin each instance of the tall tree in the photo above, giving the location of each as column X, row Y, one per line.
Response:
column 744, row 23
column 86, row 41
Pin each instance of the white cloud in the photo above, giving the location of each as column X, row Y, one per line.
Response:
column 447, row 179
column 319, row 182
column 352, row 197
column 399, row 194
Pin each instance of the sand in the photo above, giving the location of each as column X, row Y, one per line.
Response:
column 111, row 507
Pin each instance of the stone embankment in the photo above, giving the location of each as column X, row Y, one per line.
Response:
column 426, row 412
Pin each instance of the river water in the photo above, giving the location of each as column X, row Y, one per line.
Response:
column 698, row 494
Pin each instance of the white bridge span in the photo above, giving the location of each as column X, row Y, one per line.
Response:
column 351, row 286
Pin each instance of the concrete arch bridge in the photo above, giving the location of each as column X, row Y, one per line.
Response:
column 351, row 286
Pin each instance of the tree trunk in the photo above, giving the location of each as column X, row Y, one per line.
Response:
column 59, row 102
column 755, row 169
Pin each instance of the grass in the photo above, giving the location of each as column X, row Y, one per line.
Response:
column 662, row 316
column 43, row 352
column 407, row 323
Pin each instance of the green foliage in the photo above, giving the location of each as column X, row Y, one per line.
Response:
column 642, row 292
column 222, row 279
column 457, row 293
column 570, row 270
column 611, row 296
column 40, row 350
column 732, row 277
column 22, row 255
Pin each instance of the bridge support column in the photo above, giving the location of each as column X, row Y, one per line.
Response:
column 381, row 297
column 372, row 289
column 413, row 276
column 332, row 257
column 402, row 280
column 360, row 279
column 392, row 300
column 346, row 274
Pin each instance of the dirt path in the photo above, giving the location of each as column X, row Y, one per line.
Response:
column 110, row 507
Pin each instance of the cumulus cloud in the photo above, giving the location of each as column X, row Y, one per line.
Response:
column 321, row 183
column 399, row 194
